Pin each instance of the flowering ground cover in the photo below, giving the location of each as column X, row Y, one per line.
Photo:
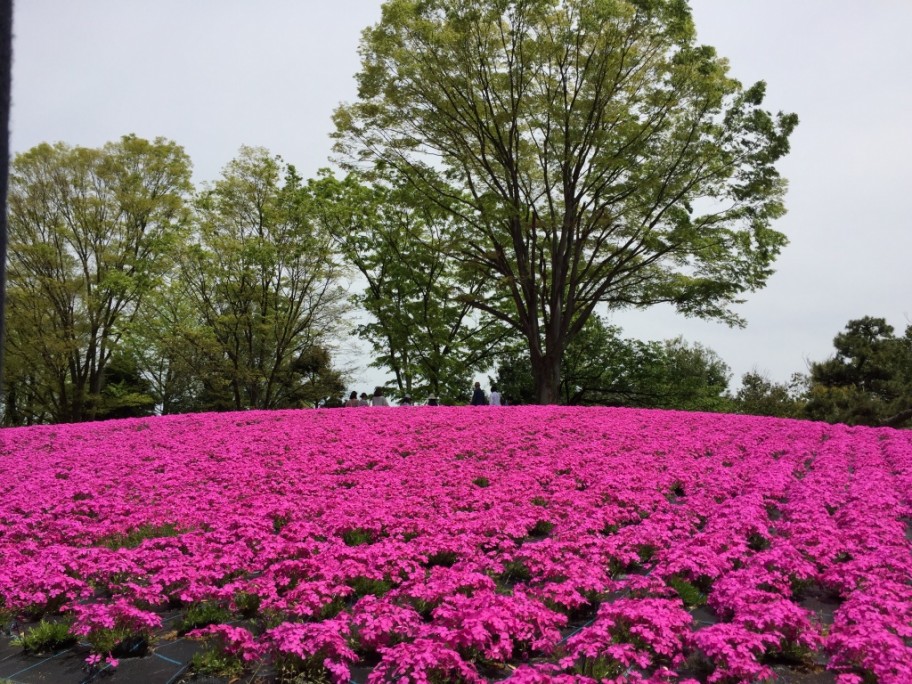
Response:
column 475, row 544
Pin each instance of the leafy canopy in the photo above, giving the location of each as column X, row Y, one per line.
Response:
column 593, row 151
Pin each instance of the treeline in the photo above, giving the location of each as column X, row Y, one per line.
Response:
column 867, row 381
column 132, row 292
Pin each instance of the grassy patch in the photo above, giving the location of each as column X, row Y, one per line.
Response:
column 443, row 559
column 46, row 637
column 514, row 572
column 294, row 670
column 246, row 604
column 689, row 593
column 362, row 586
column 599, row 668
column 757, row 542
column 357, row 537
column 213, row 663
column 541, row 529
column 133, row 538
column 203, row 614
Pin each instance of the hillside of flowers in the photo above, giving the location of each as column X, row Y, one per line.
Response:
column 473, row 544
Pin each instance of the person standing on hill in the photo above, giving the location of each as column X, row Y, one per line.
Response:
column 352, row 401
column 364, row 400
column 495, row 396
column 478, row 396
column 379, row 399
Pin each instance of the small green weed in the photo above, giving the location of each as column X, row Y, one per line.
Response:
column 541, row 529
column 481, row 482
column 279, row 522
column 757, row 542
column 203, row 614
column 120, row 641
column 444, row 559
column 515, row 571
column 646, row 552
column 362, row 586
column 599, row 668
column 294, row 670
column 213, row 663
column 357, row 537
column 331, row 609
column 689, row 593
column 46, row 637
column 246, row 604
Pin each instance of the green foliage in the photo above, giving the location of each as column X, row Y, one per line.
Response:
column 203, row 614
column 443, row 559
column 118, row 639
column 45, row 637
column 123, row 301
column 692, row 378
column 246, row 604
column 690, row 594
column 515, row 571
column 602, row 368
column 575, row 143
column 126, row 394
column 362, row 586
column 541, row 529
column 599, row 668
column 264, row 284
column 869, row 379
column 135, row 537
column 421, row 328
column 216, row 663
column 759, row 396
column 294, row 670
column 91, row 233
column 357, row 537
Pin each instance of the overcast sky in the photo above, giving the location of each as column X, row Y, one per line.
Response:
column 217, row 74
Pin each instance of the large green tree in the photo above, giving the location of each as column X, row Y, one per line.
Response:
column 91, row 233
column 420, row 329
column 592, row 150
column 868, row 381
column 760, row 396
column 603, row 368
column 266, row 287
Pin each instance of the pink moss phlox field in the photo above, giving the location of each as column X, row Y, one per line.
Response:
column 532, row 545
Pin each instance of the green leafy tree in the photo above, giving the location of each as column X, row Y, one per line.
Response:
column 760, row 396
column 420, row 328
column 265, row 284
column 177, row 356
column 691, row 377
column 603, row 368
column 592, row 150
column 126, row 393
column 869, row 379
column 91, row 235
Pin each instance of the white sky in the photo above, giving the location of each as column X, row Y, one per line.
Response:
column 217, row 74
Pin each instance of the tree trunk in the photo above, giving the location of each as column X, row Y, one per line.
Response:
column 546, row 374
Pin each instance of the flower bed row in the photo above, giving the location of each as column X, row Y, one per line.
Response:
column 532, row 544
